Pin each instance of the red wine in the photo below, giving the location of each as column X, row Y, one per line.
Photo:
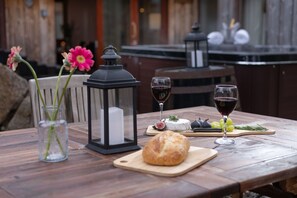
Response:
column 225, row 105
column 161, row 93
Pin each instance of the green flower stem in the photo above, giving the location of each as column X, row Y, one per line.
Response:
column 58, row 85
column 54, row 116
column 65, row 87
column 35, row 78
column 49, row 136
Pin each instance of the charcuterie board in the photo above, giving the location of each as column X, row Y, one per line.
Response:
column 210, row 133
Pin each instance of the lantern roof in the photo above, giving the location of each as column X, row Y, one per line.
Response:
column 195, row 34
column 111, row 75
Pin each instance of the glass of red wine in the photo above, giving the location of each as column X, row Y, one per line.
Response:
column 161, row 88
column 225, row 98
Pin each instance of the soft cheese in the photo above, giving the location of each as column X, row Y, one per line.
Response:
column 178, row 125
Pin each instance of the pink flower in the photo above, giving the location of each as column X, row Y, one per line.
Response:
column 66, row 62
column 80, row 58
column 14, row 57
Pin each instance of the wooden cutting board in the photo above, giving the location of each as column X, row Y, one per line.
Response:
column 235, row 133
column 196, row 157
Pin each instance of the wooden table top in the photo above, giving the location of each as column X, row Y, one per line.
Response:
column 254, row 161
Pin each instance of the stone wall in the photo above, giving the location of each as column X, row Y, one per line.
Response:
column 15, row 105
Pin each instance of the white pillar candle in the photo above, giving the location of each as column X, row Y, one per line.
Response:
column 116, row 126
column 199, row 58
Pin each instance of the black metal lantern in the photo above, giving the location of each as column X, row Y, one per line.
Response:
column 196, row 45
column 112, row 126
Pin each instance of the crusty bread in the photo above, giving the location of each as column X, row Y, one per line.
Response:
column 167, row 148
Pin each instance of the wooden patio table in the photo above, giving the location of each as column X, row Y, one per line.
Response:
column 254, row 161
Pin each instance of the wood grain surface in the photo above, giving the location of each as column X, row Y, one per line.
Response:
column 254, row 161
column 196, row 157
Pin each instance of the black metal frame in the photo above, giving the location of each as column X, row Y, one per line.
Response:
column 106, row 148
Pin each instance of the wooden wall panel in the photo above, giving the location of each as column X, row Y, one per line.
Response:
column 99, row 32
column 81, row 16
column 253, row 22
column 31, row 34
column 47, row 32
column 228, row 10
column 286, row 20
column 182, row 15
column 27, row 28
column 281, row 22
column 14, row 25
column 2, row 25
column 294, row 24
column 164, row 22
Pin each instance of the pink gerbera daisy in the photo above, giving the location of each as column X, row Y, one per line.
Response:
column 14, row 57
column 80, row 58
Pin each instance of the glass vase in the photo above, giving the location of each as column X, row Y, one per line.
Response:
column 52, row 136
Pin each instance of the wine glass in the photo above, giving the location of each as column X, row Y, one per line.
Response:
column 161, row 88
column 225, row 97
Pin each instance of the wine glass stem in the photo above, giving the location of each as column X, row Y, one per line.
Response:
column 161, row 110
column 225, row 120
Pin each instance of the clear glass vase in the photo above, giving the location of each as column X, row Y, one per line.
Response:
column 52, row 136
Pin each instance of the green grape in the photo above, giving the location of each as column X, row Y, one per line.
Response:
column 229, row 128
column 228, row 122
column 222, row 123
column 215, row 125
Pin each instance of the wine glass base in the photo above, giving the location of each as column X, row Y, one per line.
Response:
column 224, row 141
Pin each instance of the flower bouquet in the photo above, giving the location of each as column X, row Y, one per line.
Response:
column 53, row 134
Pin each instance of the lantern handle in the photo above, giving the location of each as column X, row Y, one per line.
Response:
column 195, row 27
column 109, row 48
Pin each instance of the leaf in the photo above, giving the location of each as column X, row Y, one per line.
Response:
column 173, row 118
column 251, row 128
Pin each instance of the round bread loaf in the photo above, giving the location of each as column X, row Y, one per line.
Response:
column 167, row 148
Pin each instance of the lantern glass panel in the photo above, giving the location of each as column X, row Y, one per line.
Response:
column 126, row 103
column 120, row 116
column 96, row 96
column 203, row 46
column 198, row 49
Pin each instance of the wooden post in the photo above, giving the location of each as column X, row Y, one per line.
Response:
column 164, row 21
column 99, row 32
column 134, row 22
